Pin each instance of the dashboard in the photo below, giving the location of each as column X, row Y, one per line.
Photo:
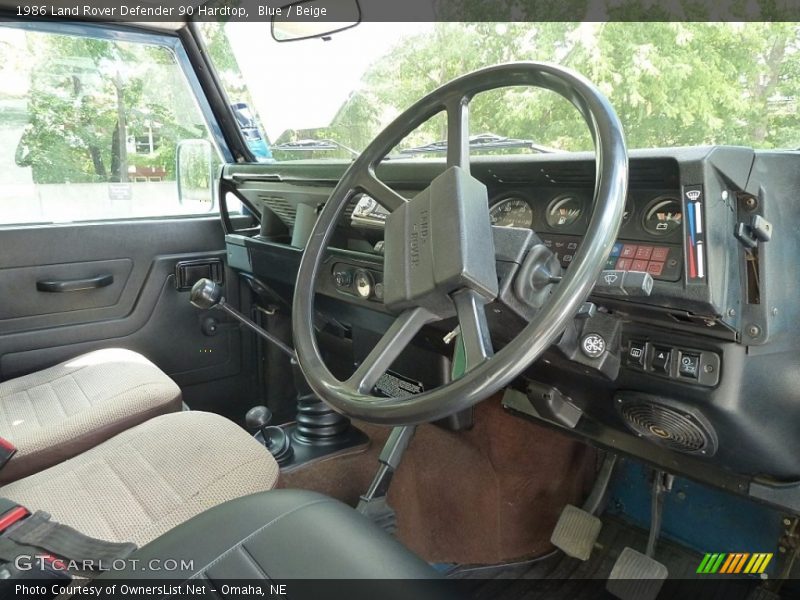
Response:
column 650, row 236
column 649, row 241
column 696, row 367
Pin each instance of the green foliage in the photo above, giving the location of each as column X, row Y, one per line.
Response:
column 671, row 83
column 87, row 96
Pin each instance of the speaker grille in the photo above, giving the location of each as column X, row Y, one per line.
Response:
column 668, row 426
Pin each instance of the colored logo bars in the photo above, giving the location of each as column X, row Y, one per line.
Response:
column 735, row 562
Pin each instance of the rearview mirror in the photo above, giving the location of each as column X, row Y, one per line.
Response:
column 308, row 19
column 196, row 170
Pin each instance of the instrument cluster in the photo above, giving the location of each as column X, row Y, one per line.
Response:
column 650, row 214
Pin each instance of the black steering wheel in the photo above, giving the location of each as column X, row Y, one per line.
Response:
column 439, row 253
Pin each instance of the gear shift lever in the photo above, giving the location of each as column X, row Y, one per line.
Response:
column 276, row 440
column 318, row 431
column 257, row 418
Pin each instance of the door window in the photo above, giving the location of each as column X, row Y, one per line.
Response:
column 89, row 129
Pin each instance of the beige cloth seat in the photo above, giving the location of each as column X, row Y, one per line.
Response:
column 57, row 413
column 149, row 479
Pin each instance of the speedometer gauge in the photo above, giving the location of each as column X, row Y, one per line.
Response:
column 564, row 211
column 512, row 212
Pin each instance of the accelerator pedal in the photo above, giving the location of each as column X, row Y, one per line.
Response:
column 576, row 532
column 636, row 576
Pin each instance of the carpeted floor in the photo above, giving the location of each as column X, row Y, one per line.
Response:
column 483, row 496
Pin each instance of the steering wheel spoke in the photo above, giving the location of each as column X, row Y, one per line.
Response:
column 474, row 328
column 386, row 351
column 380, row 192
column 458, row 132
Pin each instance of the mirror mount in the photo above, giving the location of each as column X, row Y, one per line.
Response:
column 309, row 19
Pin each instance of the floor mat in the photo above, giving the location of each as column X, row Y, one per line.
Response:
column 559, row 577
column 486, row 495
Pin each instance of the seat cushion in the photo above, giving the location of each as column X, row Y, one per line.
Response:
column 148, row 479
column 280, row 535
column 57, row 413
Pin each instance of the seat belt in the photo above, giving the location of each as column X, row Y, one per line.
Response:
column 24, row 533
column 7, row 450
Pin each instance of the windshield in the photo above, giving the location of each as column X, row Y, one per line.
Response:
column 672, row 84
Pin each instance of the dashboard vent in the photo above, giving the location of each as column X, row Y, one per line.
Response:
column 280, row 206
column 287, row 211
column 668, row 426
column 570, row 174
column 654, row 174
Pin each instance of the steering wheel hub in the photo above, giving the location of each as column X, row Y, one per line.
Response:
column 438, row 243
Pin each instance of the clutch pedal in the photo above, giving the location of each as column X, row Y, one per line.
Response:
column 636, row 576
column 576, row 532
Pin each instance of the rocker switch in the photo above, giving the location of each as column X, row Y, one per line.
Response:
column 661, row 358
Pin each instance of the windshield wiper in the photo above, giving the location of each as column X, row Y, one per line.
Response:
column 483, row 141
column 310, row 145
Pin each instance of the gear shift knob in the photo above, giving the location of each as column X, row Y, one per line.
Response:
column 257, row 418
column 205, row 294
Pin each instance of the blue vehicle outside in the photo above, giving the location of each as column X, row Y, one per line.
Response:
column 252, row 132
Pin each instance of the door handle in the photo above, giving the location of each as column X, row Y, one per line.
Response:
column 75, row 285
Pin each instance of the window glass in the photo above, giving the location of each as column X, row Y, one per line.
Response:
column 89, row 129
column 671, row 83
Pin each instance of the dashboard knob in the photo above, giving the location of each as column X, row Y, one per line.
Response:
column 343, row 278
column 364, row 284
column 593, row 345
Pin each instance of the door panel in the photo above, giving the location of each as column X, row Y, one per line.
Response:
column 24, row 298
column 141, row 310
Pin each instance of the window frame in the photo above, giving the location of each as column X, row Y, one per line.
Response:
column 121, row 33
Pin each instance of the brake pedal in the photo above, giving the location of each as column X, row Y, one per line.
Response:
column 636, row 576
column 576, row 532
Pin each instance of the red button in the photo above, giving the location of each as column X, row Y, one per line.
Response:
column 655, row 268
column 628, row 251
column 639, row 265
column 623, row 264
column 660, row 253
column 644, row 252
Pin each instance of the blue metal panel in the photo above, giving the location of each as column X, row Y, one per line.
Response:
column 700, row 517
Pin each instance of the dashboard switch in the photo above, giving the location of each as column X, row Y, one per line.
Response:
column 637, row 283
column 587, row 311
column 689, row 366
column 636, row 351
column 610, row 282
column 343, row 278
column 661, row 359
column 624, row 283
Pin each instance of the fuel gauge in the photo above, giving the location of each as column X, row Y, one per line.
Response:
column 564, row 211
